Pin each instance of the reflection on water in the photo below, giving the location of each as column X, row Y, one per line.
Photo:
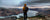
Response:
column 1, row 17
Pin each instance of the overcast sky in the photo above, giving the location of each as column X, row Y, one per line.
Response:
column 22, row 2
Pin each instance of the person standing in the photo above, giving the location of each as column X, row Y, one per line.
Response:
column 25, row 9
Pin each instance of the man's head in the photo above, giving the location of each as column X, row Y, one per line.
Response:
column 25, row 5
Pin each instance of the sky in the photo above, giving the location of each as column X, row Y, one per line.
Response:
column 31, row 3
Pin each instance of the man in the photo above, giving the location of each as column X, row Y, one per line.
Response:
column 25, row 9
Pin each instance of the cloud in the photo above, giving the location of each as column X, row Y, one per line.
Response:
column 22, row 2
column 37, row 2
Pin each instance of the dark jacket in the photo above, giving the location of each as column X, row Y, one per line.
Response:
column 26, row 9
